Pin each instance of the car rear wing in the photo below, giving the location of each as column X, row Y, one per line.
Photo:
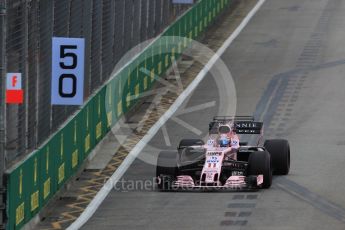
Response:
column 241, row 124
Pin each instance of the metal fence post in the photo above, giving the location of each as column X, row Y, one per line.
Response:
column 3, row 12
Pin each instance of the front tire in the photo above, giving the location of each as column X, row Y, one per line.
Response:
column 260, row 163
column 166, row 169
column 280, row 155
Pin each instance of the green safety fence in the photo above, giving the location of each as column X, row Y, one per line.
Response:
column 33, row 181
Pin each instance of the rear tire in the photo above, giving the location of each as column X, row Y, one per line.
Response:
column 184, row 143
column 260, row 163
column 166, row 169
column 280, row 155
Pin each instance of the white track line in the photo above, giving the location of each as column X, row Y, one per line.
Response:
column 102, row 194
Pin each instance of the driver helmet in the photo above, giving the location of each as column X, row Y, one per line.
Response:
column 224, row 141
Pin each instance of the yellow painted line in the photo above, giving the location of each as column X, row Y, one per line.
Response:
column 89, row 191
column 56, row 225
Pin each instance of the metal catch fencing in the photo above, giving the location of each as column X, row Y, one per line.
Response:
column 110, row 29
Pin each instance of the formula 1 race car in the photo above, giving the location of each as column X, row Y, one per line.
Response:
column 223, row 162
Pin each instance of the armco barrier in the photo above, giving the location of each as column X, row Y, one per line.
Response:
column 32, row 182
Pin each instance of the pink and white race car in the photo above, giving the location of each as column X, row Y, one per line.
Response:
column 223, row 162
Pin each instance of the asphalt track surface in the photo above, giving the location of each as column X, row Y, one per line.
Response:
column 289, row 68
